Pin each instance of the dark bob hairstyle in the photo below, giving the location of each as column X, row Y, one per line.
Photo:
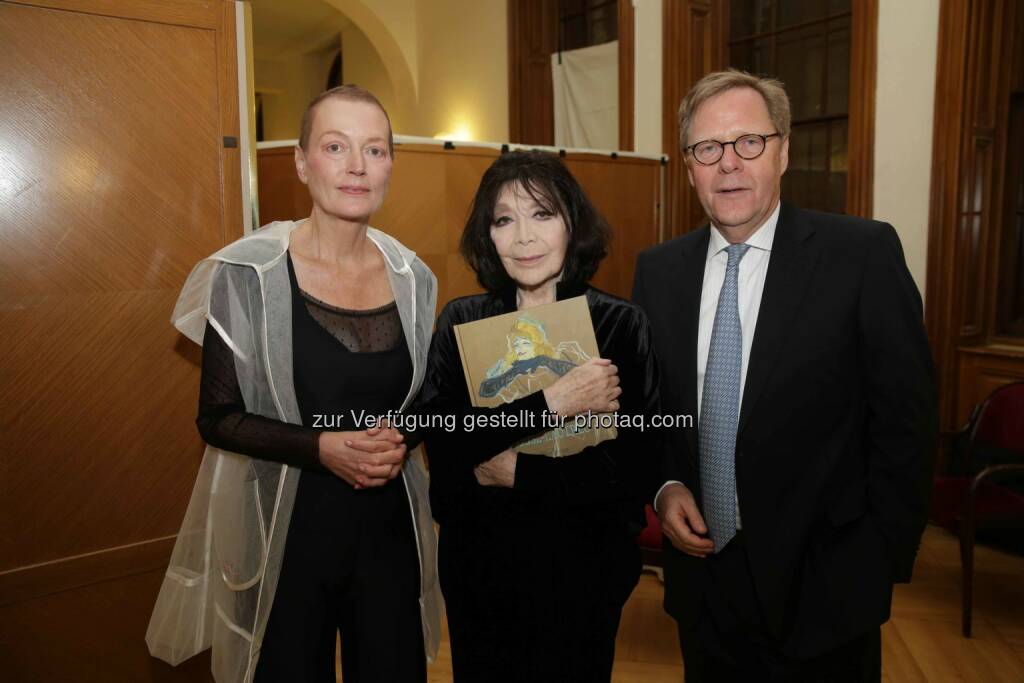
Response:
column 546, row 179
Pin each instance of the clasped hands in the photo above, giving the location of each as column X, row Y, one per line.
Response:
column 373, row 457
column 364, row 459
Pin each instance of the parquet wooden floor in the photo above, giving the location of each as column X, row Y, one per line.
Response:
column 921, row 642
column 95, row 633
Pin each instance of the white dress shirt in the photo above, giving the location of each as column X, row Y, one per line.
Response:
column 752, row 271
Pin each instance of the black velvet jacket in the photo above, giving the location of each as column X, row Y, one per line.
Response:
column 621, row 473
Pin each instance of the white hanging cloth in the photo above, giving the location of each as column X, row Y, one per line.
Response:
column 586, row 85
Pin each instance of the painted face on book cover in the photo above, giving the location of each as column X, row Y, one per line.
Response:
column 346, row 165
column 523, row 348
column 737, row 194
column 531, row 240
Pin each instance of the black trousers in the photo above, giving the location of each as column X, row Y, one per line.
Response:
column 731, row 642
column 350, row 565
column 534, row 597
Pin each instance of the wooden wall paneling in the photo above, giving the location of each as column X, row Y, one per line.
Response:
column 430, row 194
column 983, row 370
column 1004, row 57
column 82, row 570
column 627, row 65
column 626, row 191
column 694, row 44
column 427, row 207
column 532, row 38
column 92, row 634
column 193, row 13
column 114, row 118
column 941, row 317
column 976, row 181
column 968, row 173
column 861, row 135
column 465, row 166
column 282, row 196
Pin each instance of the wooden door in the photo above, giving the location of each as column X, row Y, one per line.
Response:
column 114, row 182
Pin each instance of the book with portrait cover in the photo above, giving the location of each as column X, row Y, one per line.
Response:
column 513, row 355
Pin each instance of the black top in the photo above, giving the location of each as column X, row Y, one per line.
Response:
column 331, row 381
column 622, row 472
column 344, row 360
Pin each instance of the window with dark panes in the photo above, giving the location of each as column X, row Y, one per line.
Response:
column 806, row 45
column 583, row 23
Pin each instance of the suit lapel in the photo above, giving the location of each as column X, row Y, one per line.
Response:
column 791, row 263
column 687, row 296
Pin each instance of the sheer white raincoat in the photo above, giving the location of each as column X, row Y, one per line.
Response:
column 223, row 572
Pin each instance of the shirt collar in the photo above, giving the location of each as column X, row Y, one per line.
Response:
column 761, row 239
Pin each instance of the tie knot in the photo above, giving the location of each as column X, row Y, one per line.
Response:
column 736, row 252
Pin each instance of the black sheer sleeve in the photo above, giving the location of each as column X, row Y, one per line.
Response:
column 224, row 423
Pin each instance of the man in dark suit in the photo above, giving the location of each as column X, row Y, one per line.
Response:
column 796, row 341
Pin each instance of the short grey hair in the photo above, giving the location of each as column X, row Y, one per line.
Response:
column 770, row 89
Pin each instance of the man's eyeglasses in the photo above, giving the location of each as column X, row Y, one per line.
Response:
column 750, row 146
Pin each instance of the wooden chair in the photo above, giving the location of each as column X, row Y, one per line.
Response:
column 995, row 451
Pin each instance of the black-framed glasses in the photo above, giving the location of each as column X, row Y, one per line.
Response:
column 749, row 147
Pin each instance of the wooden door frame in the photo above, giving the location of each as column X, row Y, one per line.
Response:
column 694, row 43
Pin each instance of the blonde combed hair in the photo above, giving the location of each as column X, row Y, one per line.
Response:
column 532, row 330
column 770, row 89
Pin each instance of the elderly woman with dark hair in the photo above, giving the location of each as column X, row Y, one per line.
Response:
column 537, row 555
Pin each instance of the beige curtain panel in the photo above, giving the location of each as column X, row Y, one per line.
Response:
column 586, row 85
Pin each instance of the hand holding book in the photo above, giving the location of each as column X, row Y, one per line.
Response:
column 593, row 386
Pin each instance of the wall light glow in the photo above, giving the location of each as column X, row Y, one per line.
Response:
column 461, row 132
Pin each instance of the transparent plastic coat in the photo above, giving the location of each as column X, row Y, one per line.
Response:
column 223, row 572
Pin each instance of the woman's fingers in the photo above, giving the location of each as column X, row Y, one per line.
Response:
column 370, row 446
column 371, row 476
column 588, row 387
column 365, row 482
column 395, row 456
column 376, row 471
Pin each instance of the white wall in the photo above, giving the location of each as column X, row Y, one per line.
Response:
column 287, row 85
column 904, row 106
column 463, row 64
column 362, row 65
column 438, row 66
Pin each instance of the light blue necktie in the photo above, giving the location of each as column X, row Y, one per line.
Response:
column 720, row 408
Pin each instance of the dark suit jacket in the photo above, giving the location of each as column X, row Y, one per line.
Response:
column 834, row 451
